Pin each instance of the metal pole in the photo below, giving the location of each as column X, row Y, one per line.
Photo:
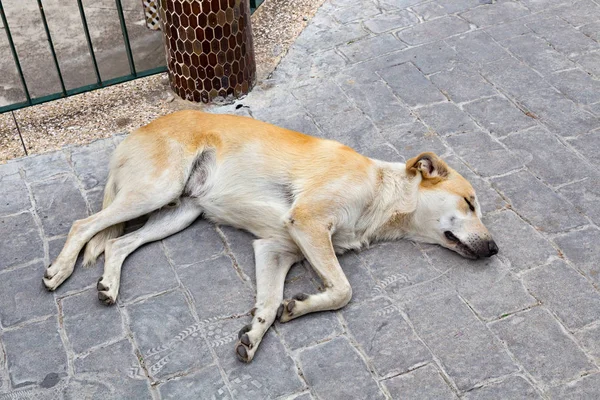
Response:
column 89, row 42
column 14, row 53
column 126, row 38
column 49, row 37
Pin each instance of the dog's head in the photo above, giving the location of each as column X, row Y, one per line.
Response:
column 448, row 212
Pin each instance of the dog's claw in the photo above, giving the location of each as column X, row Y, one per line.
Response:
column 290, row 306
column 105, row 298
column 280, row 311
column 300, row 296
column 245, row 339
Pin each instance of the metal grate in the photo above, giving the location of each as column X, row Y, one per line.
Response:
column 151, row 20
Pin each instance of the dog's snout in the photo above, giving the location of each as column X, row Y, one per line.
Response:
column 492, row 248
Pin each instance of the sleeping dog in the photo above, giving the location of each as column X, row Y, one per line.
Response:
column 301, row 196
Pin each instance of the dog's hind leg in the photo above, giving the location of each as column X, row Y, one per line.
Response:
column 162, row 223
column 273, row 261
column 127, row 205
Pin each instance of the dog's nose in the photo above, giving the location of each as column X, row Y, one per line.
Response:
column 492, row 248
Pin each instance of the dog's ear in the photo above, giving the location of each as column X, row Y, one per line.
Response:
column 429, row 164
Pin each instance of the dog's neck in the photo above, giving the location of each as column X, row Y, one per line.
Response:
column 393, row 209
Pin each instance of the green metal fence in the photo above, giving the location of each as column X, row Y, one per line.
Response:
column 100, row 83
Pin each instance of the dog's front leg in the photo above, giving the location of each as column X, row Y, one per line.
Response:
column 273, row 261
column 313, row 236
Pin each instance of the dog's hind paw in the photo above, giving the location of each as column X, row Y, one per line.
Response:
column 107, row 293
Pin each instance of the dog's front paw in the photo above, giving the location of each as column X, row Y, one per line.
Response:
column 290, row 309
column 107, row 291
column 54, row 277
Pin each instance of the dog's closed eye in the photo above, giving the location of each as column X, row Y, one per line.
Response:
column 471, row 207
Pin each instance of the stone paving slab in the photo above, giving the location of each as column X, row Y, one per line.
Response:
column 505, row 90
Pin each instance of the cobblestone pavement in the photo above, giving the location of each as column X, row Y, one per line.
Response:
column 505, row 91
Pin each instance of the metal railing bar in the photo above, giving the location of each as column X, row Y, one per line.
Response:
column 13, row 50
column 51, row 44
column 86, row 31
column 83, row 89
column 126, row 38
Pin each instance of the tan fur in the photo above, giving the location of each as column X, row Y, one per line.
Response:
column 303, row 197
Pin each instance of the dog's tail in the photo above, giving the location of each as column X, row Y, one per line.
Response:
column 96, row 245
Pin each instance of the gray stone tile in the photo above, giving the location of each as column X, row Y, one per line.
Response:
column 91, row 162
column 146, row 271
column 566, row 293
column 206, row 384
column 410, row 85
column 538, row 54
column 525, row 193
column 580, row 248
column 489, row 200
column 396, row 265
column 351, row 128
column 591, row 30
column 23, row 296
column 422, row 383
column 172, row 343
column 398, row 4
column 429, row 10
column 15, row 196
column 456, row 6
column 499, row 115
column 494, row 13
column 446, row 119
column 486, row 284
column 365, row 49
column 34, row 352
column 430, row 58
column 95, row 198
column 587, row 387
column 355, row 11
column 462, row 84
column 300, row 123
column 325, row 34
column 359, row 277
column 477, row 47
column 560, row 114
column 439, row 287
column 110, row 372
column 197, row 243
column 467, row 350
column 21, row 240
column 59, row 203
column 585, row 196
column 322, row 98
column 508, row 30
column 240, row 244
column 377, row 101
column 537, row 341
column 514, row 77
column 334, row 370
column 577, row 85
column 512, row 388
column 216, row 288
column 259, row 379
column 44, row 166
column 423, row 140
column 563, row 36
column 88, row 322
column 310, row 329
column 547, row 157
column 518, row 241
column 378, row 327
column 589, row 338
column 589, row 146
column 495, row 160
column 591, row 63
column 386, row 22
column 434, row 30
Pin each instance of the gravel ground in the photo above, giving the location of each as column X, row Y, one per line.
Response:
column 121, row 108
